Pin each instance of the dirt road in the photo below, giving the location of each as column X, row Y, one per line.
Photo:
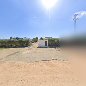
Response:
column 31, row 54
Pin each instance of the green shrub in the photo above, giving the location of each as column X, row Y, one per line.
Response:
column 14, row 43
column 53, row 42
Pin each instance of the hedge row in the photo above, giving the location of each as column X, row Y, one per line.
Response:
column 14, row 44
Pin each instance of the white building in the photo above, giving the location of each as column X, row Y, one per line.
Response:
column 43, row 43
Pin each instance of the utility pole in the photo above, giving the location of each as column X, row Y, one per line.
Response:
column 75, row 21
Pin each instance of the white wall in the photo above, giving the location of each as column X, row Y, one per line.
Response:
column 41, row 43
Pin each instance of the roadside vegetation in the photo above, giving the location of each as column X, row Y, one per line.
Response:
column 14, row 42
column 54, row 42
column 34, row 40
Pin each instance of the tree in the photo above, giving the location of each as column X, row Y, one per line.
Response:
column 41, row 38
column 10, row 38
column 35, row 39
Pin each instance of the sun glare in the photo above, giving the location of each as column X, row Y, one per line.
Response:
column 48, row 4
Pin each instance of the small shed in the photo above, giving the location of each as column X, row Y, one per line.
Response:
column 43, row 42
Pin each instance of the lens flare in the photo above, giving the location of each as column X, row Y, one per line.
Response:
column 48, row 4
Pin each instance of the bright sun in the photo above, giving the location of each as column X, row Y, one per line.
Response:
column 48, row 4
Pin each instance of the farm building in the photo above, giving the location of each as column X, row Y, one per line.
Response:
column 43, row 42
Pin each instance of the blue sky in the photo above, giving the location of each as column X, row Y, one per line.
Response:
column 28, row 18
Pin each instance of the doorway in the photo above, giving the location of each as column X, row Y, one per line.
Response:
column 45, row 43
